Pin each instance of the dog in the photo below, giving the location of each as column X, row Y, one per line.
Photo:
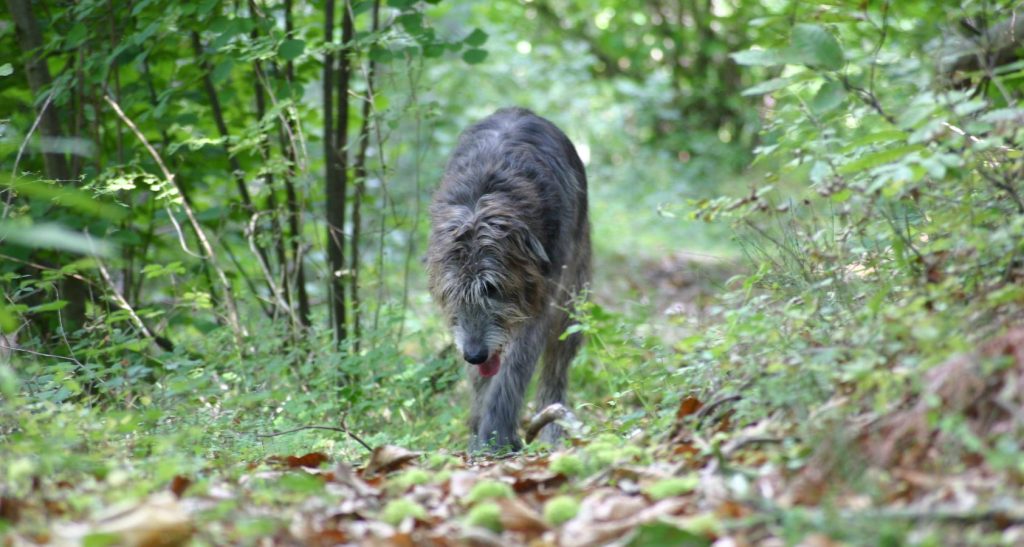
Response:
column 509, row 255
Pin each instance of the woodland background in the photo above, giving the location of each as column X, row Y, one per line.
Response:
column 804, row 327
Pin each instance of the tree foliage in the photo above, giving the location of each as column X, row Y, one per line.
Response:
column 804, row 325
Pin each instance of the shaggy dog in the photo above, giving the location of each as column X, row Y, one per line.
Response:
column 509, row 254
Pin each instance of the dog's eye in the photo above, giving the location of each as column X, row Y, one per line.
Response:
column 491, row 290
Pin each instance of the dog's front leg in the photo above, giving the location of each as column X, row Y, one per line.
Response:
column 498, row 426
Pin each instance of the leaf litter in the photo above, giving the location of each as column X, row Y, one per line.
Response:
column 707, row 481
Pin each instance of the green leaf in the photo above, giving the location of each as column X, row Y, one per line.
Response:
column 881, row 157
column 49, row 306
column 302, row 483
column 774, row 84
column 476, row 38
column 6, row 69
column 664, row 533
column 380, row 54
column 433, row 51
column 815, row 46
column 76, row 35
column 101, row 539
column 290, row 49
column 8, row 321
column 222, row 71
column 887, row 135
column 829, row 96
column 411, row 22
column 53, row 236
column 65, row 196
column 206, row 6
column 759, row 57
column 474, row 56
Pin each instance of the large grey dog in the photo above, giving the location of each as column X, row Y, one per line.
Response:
column 509, row 255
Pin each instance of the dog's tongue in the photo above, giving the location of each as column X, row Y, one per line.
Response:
column 491, row 365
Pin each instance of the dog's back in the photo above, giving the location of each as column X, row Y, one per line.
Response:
column 509, row 250
column 518, row 154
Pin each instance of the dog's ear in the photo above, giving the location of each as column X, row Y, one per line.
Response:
column 531, row 246
column 537, row 249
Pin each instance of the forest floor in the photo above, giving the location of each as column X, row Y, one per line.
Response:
column 707, row 482
column 704, row 481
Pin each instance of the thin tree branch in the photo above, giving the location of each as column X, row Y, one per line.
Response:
column 211, row 255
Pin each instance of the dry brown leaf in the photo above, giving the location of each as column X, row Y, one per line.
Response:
column 10, row 509
column 388, row 458
column 961, row 385
column 179, row 484
column 157, row 521
column 688, row 406
column 534, row 479
column 819, row 540
column 583, row 533
column 461, row 483
column 327, row 538
column 517, row 516
column 311, row 460
column 345, row 475
column 608, row 504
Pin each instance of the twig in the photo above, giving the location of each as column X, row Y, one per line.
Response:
column 229, row 297
column 31, row 130
column 344, row 430
column 279, row 297
column 735, row 445
column 709, row 408
column 344, row 426
column 164, row 343
column 21, row 150
column 41, row 354
column 552, row 413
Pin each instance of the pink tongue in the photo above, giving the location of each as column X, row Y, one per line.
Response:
column 491, row 365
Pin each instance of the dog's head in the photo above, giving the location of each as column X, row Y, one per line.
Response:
column 486, row 271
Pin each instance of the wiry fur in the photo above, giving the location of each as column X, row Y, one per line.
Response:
column 509, row 252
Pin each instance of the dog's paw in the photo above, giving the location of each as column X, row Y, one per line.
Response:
column 552, row 435
column 495, row 443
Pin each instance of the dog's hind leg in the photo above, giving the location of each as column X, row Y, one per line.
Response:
column 500, row 418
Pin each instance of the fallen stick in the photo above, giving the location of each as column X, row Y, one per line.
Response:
column 549, row 414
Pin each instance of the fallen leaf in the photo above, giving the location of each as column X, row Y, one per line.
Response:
column 688, row 406
column 388, row 458
column 580, row 532
column 179, row 484
column 311, row 460
column 157, row 521
column 10, row 509
column 517, row 516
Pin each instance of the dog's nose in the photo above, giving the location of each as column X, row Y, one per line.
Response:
column 475, row 355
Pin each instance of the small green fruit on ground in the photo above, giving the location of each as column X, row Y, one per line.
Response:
column 485, row 515
column 398, row 509
column 569, row 465
column 560, row 509
column 488, row 490
column 675, row 486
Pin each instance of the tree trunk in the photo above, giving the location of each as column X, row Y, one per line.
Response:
column 336, row 179
column 38, row 75
column 359, row 177
column 55, row 164
column 289, row 186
